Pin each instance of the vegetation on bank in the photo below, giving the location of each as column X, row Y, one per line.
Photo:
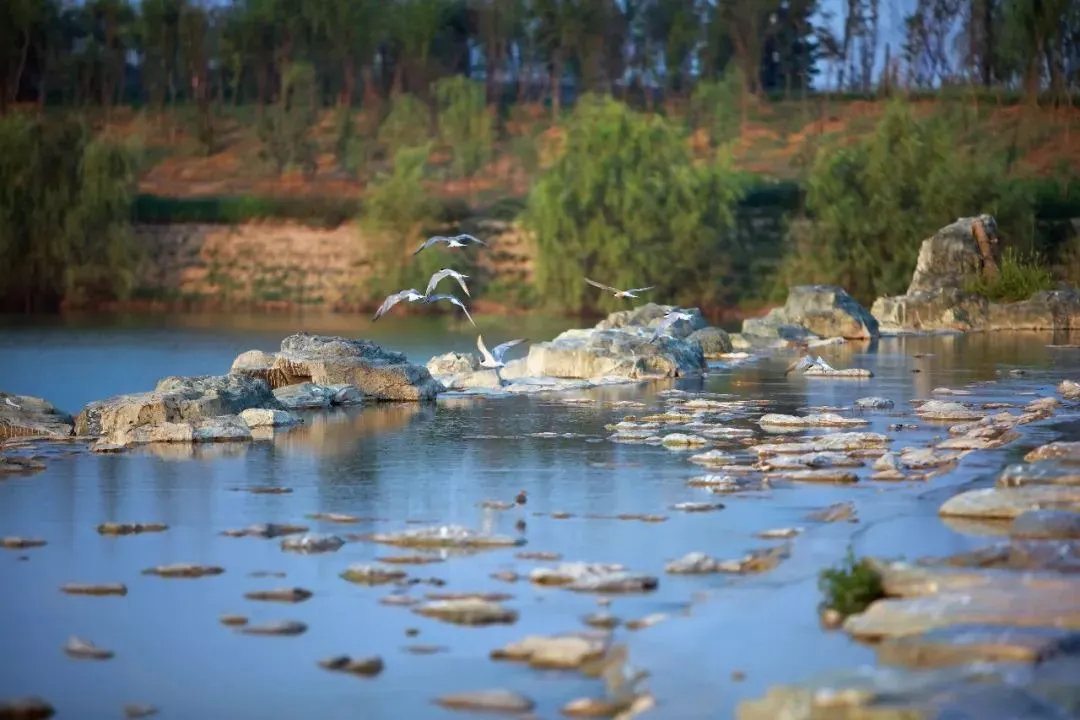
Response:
column 850, row 587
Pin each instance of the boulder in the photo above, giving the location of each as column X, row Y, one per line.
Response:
column 714, row 341
column 453, row 363
column 175, row 400
column 221, row 428
column 255, row 363
column 595, row 353
column 649, row 316
column 379, row 374
column 814, row 311
column 936, row 298
column 24, row 416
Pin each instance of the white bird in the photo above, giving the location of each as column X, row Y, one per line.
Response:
column 805, row 362
column 494, row 359
column 451, row 242
column 670, row 319
column 13, row 404
column 412, row 295
column 444, row 296
column 619, row 293
column 445, row 273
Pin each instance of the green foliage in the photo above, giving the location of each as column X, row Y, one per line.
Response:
column 1019, row 278
column 65, row 208
column 851, row 587
column 464, row 123
column 286, row 127
column 872, row 202
column 324, row 212
column 352, row 151
column 406, row 126
column 626, row 205
column 715, row 106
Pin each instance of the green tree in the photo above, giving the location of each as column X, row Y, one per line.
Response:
column 464, row 123
column 286, row 130
column 626, row 205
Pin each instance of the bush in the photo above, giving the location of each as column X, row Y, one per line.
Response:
column 851, row 587
column 65, row 210
column 1019, row 278
column 626, row 205
column 464, row 123
column 317, row 211
column 406, row 126
column 871, row 203
column 286, row 127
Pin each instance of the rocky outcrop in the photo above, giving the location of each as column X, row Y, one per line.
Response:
column 714, row 341
column 648, row 317
column 24, row 416
column 378, row 373
column 936, row 299
column 595, row 353
column 812, row 312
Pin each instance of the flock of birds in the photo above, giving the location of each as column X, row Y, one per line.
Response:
column 493, row 359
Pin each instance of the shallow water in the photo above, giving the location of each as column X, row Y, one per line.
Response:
column 402, row 463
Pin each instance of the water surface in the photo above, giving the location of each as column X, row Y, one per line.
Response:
column 407, row 463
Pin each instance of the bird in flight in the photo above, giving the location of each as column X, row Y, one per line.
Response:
column 670, row 319
column 445, row 296
column 445, row 273
column 632, row 293
column 494, row 358
column 412, row 295
column 451, row 242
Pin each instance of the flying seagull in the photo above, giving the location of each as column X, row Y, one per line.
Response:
column 412, row 295
column 670, row 319
column 807, row 361
column 619, row 293
column 444, row 296
column 445, row 273
column 454, row 242
column 494, row 359
column 15, row 405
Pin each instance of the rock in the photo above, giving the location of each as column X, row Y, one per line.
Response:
column 262, row 417
column 87, row 589
column 594, row 577
column 985, row 437
column 293, row 595
column 312, row 543
column 874, row 403
column 86, row 650
column 379, row 374
column 254, row 363
column 826, row 475
column 648, row 317
column 175, row 401
column 695, row 563
column 714, row 457
column 811, row 460
column 233, row 620
column 365, row 666
column 952, row 256
column 136, row 710
column 24, row 416
column 964, row 644
column 683, row 440
column 1019, row 554
column 1069, row 389
column 448, row 536
column 714, row 341
column 467, row 611
column 826, row 311
column 26, row 708
column 279, row 627
column 1040, row 472
column 490, row 701
column 559, row 652
column 945, row 410
column 372, row 574
column 1008, row 503
column 13, row 542
column 267, row 530
column 925, row 458
column 304, row 396
column 839, row 442
column 834, row 513
column 1046, row 525
column 113, row 528
column 1062, row 451
column 811, row 420
column 780, row 533
column 334, row 517
column 605, row 621
column 696, row 507
column 15, row 465
column 184, row 570
column 453, row 363
column 597, row 353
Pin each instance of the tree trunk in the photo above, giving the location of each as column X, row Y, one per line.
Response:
column 556, row 84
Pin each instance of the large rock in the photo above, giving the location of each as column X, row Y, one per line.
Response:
column 379, row 374
column 24, row 416
column 595, row 353
column 175, row 400
column 813, row 311
column 714, row 341
column 649, row 316
column 936, row 298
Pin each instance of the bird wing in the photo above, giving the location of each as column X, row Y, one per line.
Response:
column 602, row 287
column 391, row 301
column 429, row 242
column 451, row 298
column 447, row 272
column 483, row 349
column 466, row 236
column 435, row 279
column 501, row 349
column 641, row 289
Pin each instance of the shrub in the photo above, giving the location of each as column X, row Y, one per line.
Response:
column 1019, row 278
column 851, row 587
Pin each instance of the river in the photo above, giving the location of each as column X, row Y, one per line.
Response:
column 406, row 463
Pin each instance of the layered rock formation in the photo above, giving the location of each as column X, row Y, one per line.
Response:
column 811, row 313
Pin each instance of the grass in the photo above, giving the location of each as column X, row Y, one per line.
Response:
column 1019, row 278
column 850, row 588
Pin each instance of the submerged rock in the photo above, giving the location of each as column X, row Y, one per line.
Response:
column 312, row 543
column 449, row 536
column 1006, row 503
column 26, row 708
column 366, row 666
column 25, row 416
column 372, row 574
column 1040, row 472
column 114, row 528
column 489, row 701
column 811, row 420
column 378, row 373
column 467, row 611
column 965, row 644
column 278, row 627
column 1046, row 525
column 1063, row 451
column 90, row 589
column 874, row 403
column 594, row 577
column 562, row 652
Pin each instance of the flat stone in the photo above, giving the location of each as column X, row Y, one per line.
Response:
column 489, row 701
column 89, row 589
column 450, row 536
column 811, row 420
column 26, row 708
column 564, row 652
column 1006, row 503
column 696, row 507
column 811, row 460
column 826, row 475
column 85, row 650
column 1046, row 524
column 279, row 627
column 963, row 644
column 334, row 517
column 293, row 594
column 372, row 574
column 834, row 513
column 184, row 570
column 874, row 403
column 594, row 577
column 1063, row 451
column 683, row 440
column 365, row 666
column 25, row 416
column 267, row 530
column 842, row 441
column 468, row 611
column 695, row 563
column 13, row 542
column 312, row 543
column 1050, row 555
column 1069, row 389
column 112, row 528
column 264, row 417
column 1040, row 472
